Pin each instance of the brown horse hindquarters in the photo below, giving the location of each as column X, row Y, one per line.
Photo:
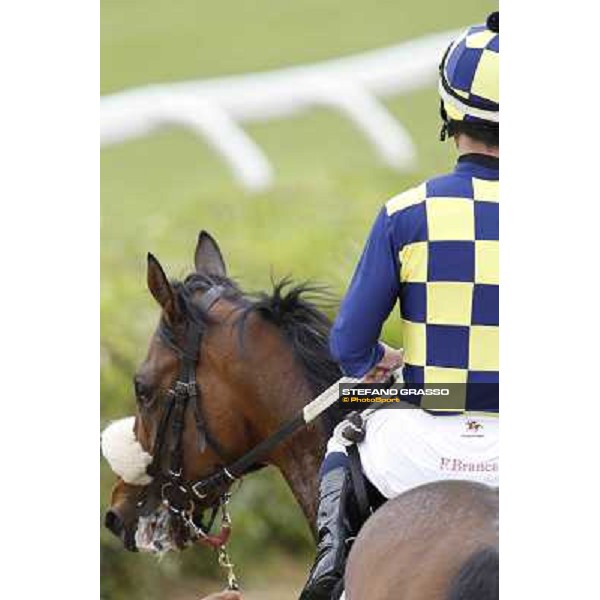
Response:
column 415, row 546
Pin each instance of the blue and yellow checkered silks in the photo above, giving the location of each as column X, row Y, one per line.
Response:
column 449, row 278
column 433, row 249
column 469, row 75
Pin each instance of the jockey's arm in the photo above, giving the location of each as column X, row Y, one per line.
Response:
column 373, row 292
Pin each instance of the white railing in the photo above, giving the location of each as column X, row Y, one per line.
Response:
column 214, row 108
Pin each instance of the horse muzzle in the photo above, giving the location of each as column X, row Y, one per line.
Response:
column 115, row 524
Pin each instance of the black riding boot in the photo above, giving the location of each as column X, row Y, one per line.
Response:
column 333, row 530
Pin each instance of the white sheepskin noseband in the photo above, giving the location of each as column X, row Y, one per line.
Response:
column 124, row 453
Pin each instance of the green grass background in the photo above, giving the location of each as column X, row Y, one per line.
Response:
column 158, row 192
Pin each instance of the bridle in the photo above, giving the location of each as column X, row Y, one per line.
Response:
column 176, row 493
column 179, row 495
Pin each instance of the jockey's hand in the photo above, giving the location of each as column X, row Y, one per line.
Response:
column 392, row 359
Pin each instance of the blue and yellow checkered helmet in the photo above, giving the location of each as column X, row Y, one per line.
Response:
column 469, row 76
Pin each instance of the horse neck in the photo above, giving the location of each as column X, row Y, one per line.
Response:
column 298, row 458
column 282, row 391
column 299, row 464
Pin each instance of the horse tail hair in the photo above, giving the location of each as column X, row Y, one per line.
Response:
column 478, row 578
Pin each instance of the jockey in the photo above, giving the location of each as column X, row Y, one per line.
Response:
column 433, row 248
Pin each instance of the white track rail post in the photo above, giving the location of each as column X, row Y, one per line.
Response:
column 246, row 160
column 389, row 137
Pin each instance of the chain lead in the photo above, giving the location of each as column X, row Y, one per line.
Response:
column 224, row 559
column 225, row 562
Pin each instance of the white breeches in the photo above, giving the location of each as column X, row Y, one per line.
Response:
column 406, row 448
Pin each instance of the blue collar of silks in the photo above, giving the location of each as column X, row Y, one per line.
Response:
column 483, row 166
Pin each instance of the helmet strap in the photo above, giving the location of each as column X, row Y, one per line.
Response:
column 444, row 132
column 444, row 116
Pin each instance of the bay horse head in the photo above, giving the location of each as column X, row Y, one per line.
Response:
column 209, row 390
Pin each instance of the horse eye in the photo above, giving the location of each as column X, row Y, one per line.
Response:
column 143, row 391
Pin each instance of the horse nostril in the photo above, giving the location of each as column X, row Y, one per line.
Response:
column 113, row 522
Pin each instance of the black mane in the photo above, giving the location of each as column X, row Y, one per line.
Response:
column 290, row 307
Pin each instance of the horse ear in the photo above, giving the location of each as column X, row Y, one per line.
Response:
column 160, row 288
column 208, row 257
